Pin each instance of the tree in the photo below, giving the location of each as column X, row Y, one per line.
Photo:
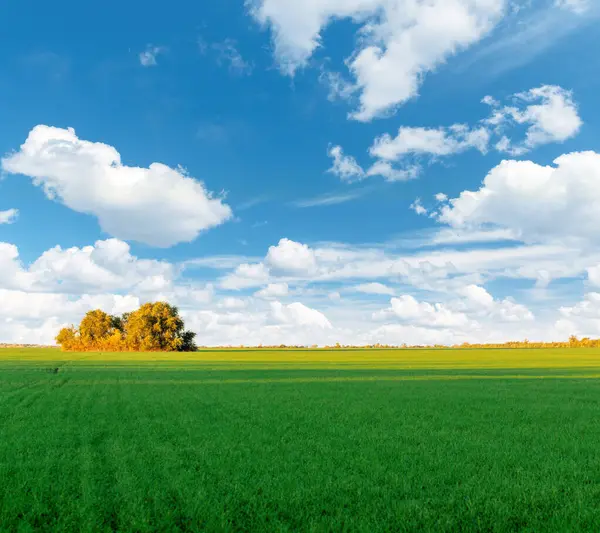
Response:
column 157, row 327
column 68, row 339
column 95, row 328
column 153, row 327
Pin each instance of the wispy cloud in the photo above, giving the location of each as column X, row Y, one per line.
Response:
column 227, row 55
column 219, row 262
column 149, row 55
column 329, row 199
column 9, row 216
column 524, row 36
column 252, row 202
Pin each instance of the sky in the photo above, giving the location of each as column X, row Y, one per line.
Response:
column 303, row 173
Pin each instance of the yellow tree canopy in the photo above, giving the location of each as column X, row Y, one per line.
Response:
column 153, row 327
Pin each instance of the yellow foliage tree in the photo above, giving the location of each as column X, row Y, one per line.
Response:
column 94, row 329
column 68, row 339
column 153, row 327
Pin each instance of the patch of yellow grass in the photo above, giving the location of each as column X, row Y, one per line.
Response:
column 402, row 359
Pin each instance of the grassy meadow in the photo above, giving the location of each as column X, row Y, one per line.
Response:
column 300, row 440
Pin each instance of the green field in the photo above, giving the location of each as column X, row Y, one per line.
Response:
column 300, row 440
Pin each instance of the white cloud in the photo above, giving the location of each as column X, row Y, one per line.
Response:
column 339, row 88
column 549, row 113
column 593, row 275
column 106, row 266
column 441, row 293
column 148, row 56
column 246, row 275
column 30, row 317
column 429, row 141
column 232, row 303
column 290, row 257
column 297, row 314
column 581, row 319
column 483, row 304
column 549, row 203
column 344, row 166
column 439, row 270
column 472, row 314
column 273, row 290
column 418, row 208
column 158, row 205
column 576, row 6
column 400, row 40
column 374, row 288
column 9, row 216
column 391, row 174
column 447, row 236
column 406, row 308
column 328, row 199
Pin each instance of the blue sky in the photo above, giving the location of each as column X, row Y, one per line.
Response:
column 299, row 152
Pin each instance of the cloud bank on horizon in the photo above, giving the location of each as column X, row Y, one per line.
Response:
column 372, row 188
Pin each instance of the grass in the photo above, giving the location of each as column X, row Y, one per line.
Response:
column 300, row 440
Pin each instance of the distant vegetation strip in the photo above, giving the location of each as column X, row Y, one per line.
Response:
column 100, row 332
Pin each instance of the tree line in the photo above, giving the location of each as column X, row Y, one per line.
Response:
column 154, row 327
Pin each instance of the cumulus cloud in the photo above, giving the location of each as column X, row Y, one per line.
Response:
column 429, row 141
column 418, row 207
column 344, row 166
column 246, row 275
column 106, row 266
column 399, row 158
column 30, row 317
column 438, row 296
column 549, row 203
column 400, row 41
column 158, row 205
column 232, row 303
column 581, row 319
column 549, row 112
column 290, row 257
column 391, row 173
column 9, row 216
column 407, row 308
column 472, row 313
column 349, row 171
column 294, row 262
column 482, row 304
column 273, row 290
column 297, row 314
